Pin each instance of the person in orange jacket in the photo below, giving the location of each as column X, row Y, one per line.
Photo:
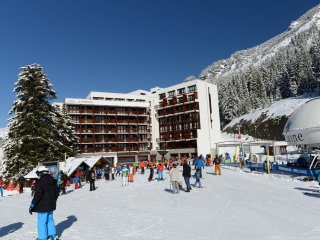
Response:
column 142, row 166
column 160, row 169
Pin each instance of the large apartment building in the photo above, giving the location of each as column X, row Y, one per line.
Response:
column 176, row 121
column 187, row 118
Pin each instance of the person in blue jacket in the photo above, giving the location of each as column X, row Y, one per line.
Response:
column 318, row 178
column 44, row 203
column 199, row 164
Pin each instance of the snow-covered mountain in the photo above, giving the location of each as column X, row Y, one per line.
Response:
column 241, row 60
column 288, row 65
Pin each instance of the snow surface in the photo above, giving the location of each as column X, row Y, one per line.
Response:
column 236, row 205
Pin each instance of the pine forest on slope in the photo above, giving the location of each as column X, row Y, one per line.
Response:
column 287, row 65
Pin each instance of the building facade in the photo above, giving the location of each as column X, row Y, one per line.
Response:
column 181, row 120
column 187, row 116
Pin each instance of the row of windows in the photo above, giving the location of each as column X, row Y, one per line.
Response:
column 180, row 127
column 119, row 145
column 179, row 118
column 75, row 108
column 190, row 89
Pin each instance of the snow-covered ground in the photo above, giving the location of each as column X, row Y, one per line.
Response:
column 236, row 205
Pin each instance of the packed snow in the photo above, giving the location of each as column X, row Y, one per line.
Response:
column 236, row 205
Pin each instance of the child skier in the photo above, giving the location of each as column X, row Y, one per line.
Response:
column 125, row 176
column 33, row 188
column 197, row 176
column 76, row 181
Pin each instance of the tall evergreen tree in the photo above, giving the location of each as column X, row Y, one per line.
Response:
column 66, row 144
column 33, row 129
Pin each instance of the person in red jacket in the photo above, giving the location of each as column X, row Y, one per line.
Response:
column 79, row 175
column 160, row 169
column 1, row 186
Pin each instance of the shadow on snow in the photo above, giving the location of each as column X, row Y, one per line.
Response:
column 10, row 228
column 65, row 224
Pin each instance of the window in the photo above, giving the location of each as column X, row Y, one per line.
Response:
column 181, row 91
column 162, row 96
column 192, row 88
column 171, row 93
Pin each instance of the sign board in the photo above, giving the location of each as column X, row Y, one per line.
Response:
column 52, row 166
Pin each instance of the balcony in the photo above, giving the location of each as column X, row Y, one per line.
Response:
column 108, row 140
column 87, row 140
column 99, row 121
column 111, row 112
column 102, row 131
column 113, row 130
column 86, row 111
column 86, row 121
column 87, row 150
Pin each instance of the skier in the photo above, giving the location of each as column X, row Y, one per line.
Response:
column 113, row 170
column 142, row 165
column 107, row 173
column 44, row 202
column 79, row 175
column 160, row 169
column 76, row 181
column 91, row 177
column 21, row 181
column 199, row 164
column 198, row 176
column 33, row 187
column 151, row 171
column 125, row 176
column 118, row 170
column 186, row 173
column 318, row 178
column 1, row 186
column 131, row 173
column 217, row 167
column 174, row 178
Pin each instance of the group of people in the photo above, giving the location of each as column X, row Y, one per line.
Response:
column 47, row 188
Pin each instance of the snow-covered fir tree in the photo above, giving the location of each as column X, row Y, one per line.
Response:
column 66, row 135
column 34, row 133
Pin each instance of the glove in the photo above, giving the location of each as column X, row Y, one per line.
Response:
column 31, row 208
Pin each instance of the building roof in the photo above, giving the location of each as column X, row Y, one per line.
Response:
column 303, row 127
column 32, row 174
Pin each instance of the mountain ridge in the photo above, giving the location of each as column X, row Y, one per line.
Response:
column 224, row 67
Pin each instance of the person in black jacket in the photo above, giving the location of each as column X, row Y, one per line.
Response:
column 44, row 202
column 91, row 177
column 21, row 181
column 186, row 173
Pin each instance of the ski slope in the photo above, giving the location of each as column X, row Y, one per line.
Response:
column 236, row 205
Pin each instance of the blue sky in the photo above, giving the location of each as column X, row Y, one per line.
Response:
column 124, row 45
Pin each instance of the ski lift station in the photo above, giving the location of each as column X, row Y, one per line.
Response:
column 303, row 129
column 298, row 154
